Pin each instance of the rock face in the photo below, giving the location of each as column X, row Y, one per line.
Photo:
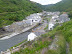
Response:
column 17, row 26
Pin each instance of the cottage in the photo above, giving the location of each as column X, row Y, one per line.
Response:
column 58, row 19
column 40, row 14
column 16, row 26
column 31, row 36
column 56, row 13
column 55, row 16
column 50, row 27
column 29, row 21
column 63, row 18
column 34, row 18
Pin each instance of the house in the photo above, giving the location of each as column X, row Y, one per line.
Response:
column 58, row 19
column 40, row 14
column 56, row 13
column 16, row 26
column 55, row 17
column 53, row 21
column 34, row 17
column 31, row 36
column 63, row 18
column 29, row 21
column 50, row 26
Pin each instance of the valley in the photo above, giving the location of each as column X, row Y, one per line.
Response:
column 28, row 27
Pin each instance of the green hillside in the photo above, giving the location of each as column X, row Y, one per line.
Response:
column 16, row 10
column 64, row 5
column 64, row 36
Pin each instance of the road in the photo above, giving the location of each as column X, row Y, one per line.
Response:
column 41, row 27
column 8, row 43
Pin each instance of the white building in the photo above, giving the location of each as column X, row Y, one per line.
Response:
column 31, row 36
column 34, row 18
column 53, row 13
column 40, row 14
column 50, row 27
column 55, row 16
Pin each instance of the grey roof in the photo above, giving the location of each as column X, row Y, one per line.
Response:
column 52, row 21
column 64, row 18
column 32, row 16
column 20, row 23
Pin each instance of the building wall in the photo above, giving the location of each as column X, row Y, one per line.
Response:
column 50, row 26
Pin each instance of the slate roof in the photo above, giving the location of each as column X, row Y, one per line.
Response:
column 33, row 16
column 64, row 18
column 20, row 23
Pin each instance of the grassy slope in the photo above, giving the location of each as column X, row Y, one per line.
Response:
column 15, row 10
column 64, row 34
column 64, row 31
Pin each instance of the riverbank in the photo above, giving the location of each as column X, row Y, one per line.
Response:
column 15, row 34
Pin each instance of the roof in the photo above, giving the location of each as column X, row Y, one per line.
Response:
column 31, row 34
column 52, row 22
column 64, row 15
column 35, row 34
column 33, row 16
column 64, row 18
column 20, row 23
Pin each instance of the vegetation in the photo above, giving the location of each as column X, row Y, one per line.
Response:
column 19, row 44
column 70, row 14
column 16, row 10
column 46, row 27
column 64, row 34
column 59, row 46
column 36, row 46
column 66, row 31
column 64, row 5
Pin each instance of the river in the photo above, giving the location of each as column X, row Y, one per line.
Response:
column 8, row 43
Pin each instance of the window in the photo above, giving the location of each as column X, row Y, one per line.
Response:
column 50, row 28
column 35, row 20
column 32, row 20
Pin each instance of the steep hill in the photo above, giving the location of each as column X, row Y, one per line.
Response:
column 16, row 10
column 64, row 5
